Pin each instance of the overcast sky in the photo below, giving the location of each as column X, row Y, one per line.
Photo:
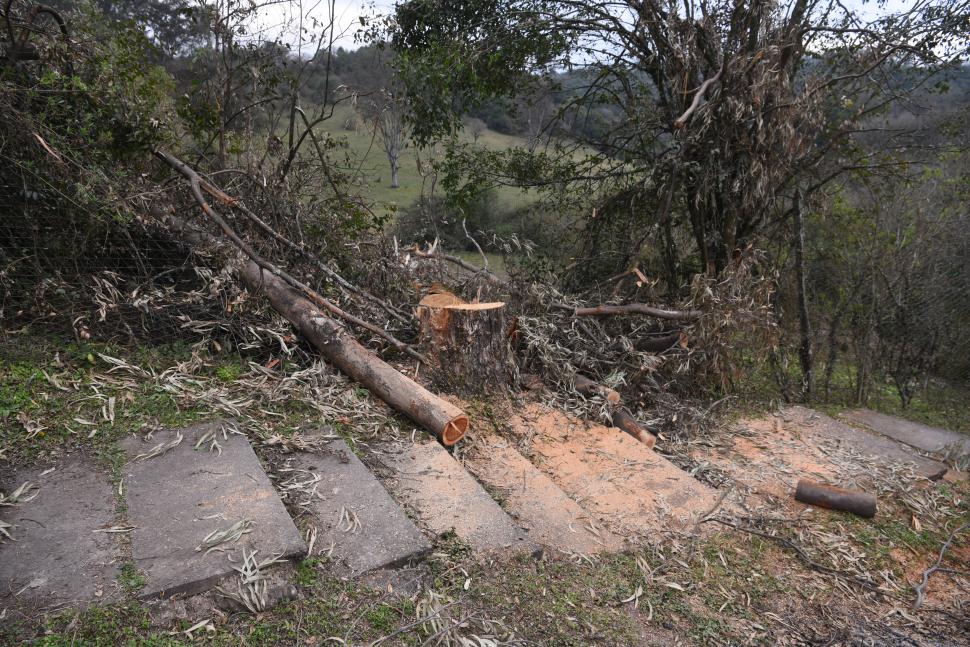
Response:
column 348, row 12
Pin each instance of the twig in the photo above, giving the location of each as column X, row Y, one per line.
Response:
column 477, row 246
column 921, row 589
column 630, row 308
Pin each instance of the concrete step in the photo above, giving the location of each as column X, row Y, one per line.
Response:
column 929, row 439
column 444, row 498
column 175, row 500
column 536, row 504
column 60, row 554
column 357, row 523
column 628, row 488
column 818, row 427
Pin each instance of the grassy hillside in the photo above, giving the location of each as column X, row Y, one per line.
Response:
column 365, row 151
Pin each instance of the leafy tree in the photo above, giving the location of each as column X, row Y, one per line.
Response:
column 727, row 108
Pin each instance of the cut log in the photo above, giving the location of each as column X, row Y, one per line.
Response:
column 623, row 419
column 836, row 498
column 588, row 388
column 443, row 419
column 467, row 343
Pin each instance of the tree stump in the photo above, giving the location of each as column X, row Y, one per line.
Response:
column 468, row 343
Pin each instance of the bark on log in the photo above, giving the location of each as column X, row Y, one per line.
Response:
column 588, row 388
column 442, row 418
column 836, row 498
column 468, row 343
column 623, row 419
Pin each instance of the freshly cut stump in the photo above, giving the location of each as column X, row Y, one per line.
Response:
column 468, row 342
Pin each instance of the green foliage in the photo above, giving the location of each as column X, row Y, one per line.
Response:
column 80, row 122
column 455, row 56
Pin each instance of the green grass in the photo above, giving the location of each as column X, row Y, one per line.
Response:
column 375, row 171
column 940, row 404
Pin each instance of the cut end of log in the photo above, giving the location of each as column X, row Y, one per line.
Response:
column 474, row 306
column 454, row 430
column 822, row 495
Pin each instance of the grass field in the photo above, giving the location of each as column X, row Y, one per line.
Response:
column 369, row 164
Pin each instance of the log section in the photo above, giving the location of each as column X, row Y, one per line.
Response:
column 836, row 498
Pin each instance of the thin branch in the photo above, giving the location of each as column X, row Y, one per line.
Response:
column 195, row 182
column 921, row 589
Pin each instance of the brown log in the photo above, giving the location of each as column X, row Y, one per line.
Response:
column 588, row 388
column 442, row 418
column 623, row 419
column 467, row 343
column 859, row 503
column 637, row 308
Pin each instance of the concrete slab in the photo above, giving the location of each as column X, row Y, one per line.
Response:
column 929, row 439
column 818, row 424
column 445, row 497
column 537, row 504
column 58, row 557
column 351, row 510
column 628, row 488
column 175, row 500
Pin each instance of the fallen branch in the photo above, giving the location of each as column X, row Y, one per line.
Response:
column 804, row 556
column 441, row 418
column 921, row 589
column 858, row 503
column 222, row 197
column 432, row 252
column 631, row 308
column 196, row 185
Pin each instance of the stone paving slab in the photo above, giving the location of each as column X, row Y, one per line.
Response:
column 445, row 497
column 57, row 557
column 929, row 439
column 869, row 443
column 175, row 500
column 536, row 503
column 339, row 493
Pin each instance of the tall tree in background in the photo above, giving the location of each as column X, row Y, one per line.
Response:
column 726, row 108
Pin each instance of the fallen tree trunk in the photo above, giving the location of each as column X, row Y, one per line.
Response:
column 468, row 343
column 442, row 418
column 446, row 421
column 836, row 498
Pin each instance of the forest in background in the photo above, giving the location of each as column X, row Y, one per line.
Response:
column 836, row 220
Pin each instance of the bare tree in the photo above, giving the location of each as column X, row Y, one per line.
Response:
column 389, row 124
